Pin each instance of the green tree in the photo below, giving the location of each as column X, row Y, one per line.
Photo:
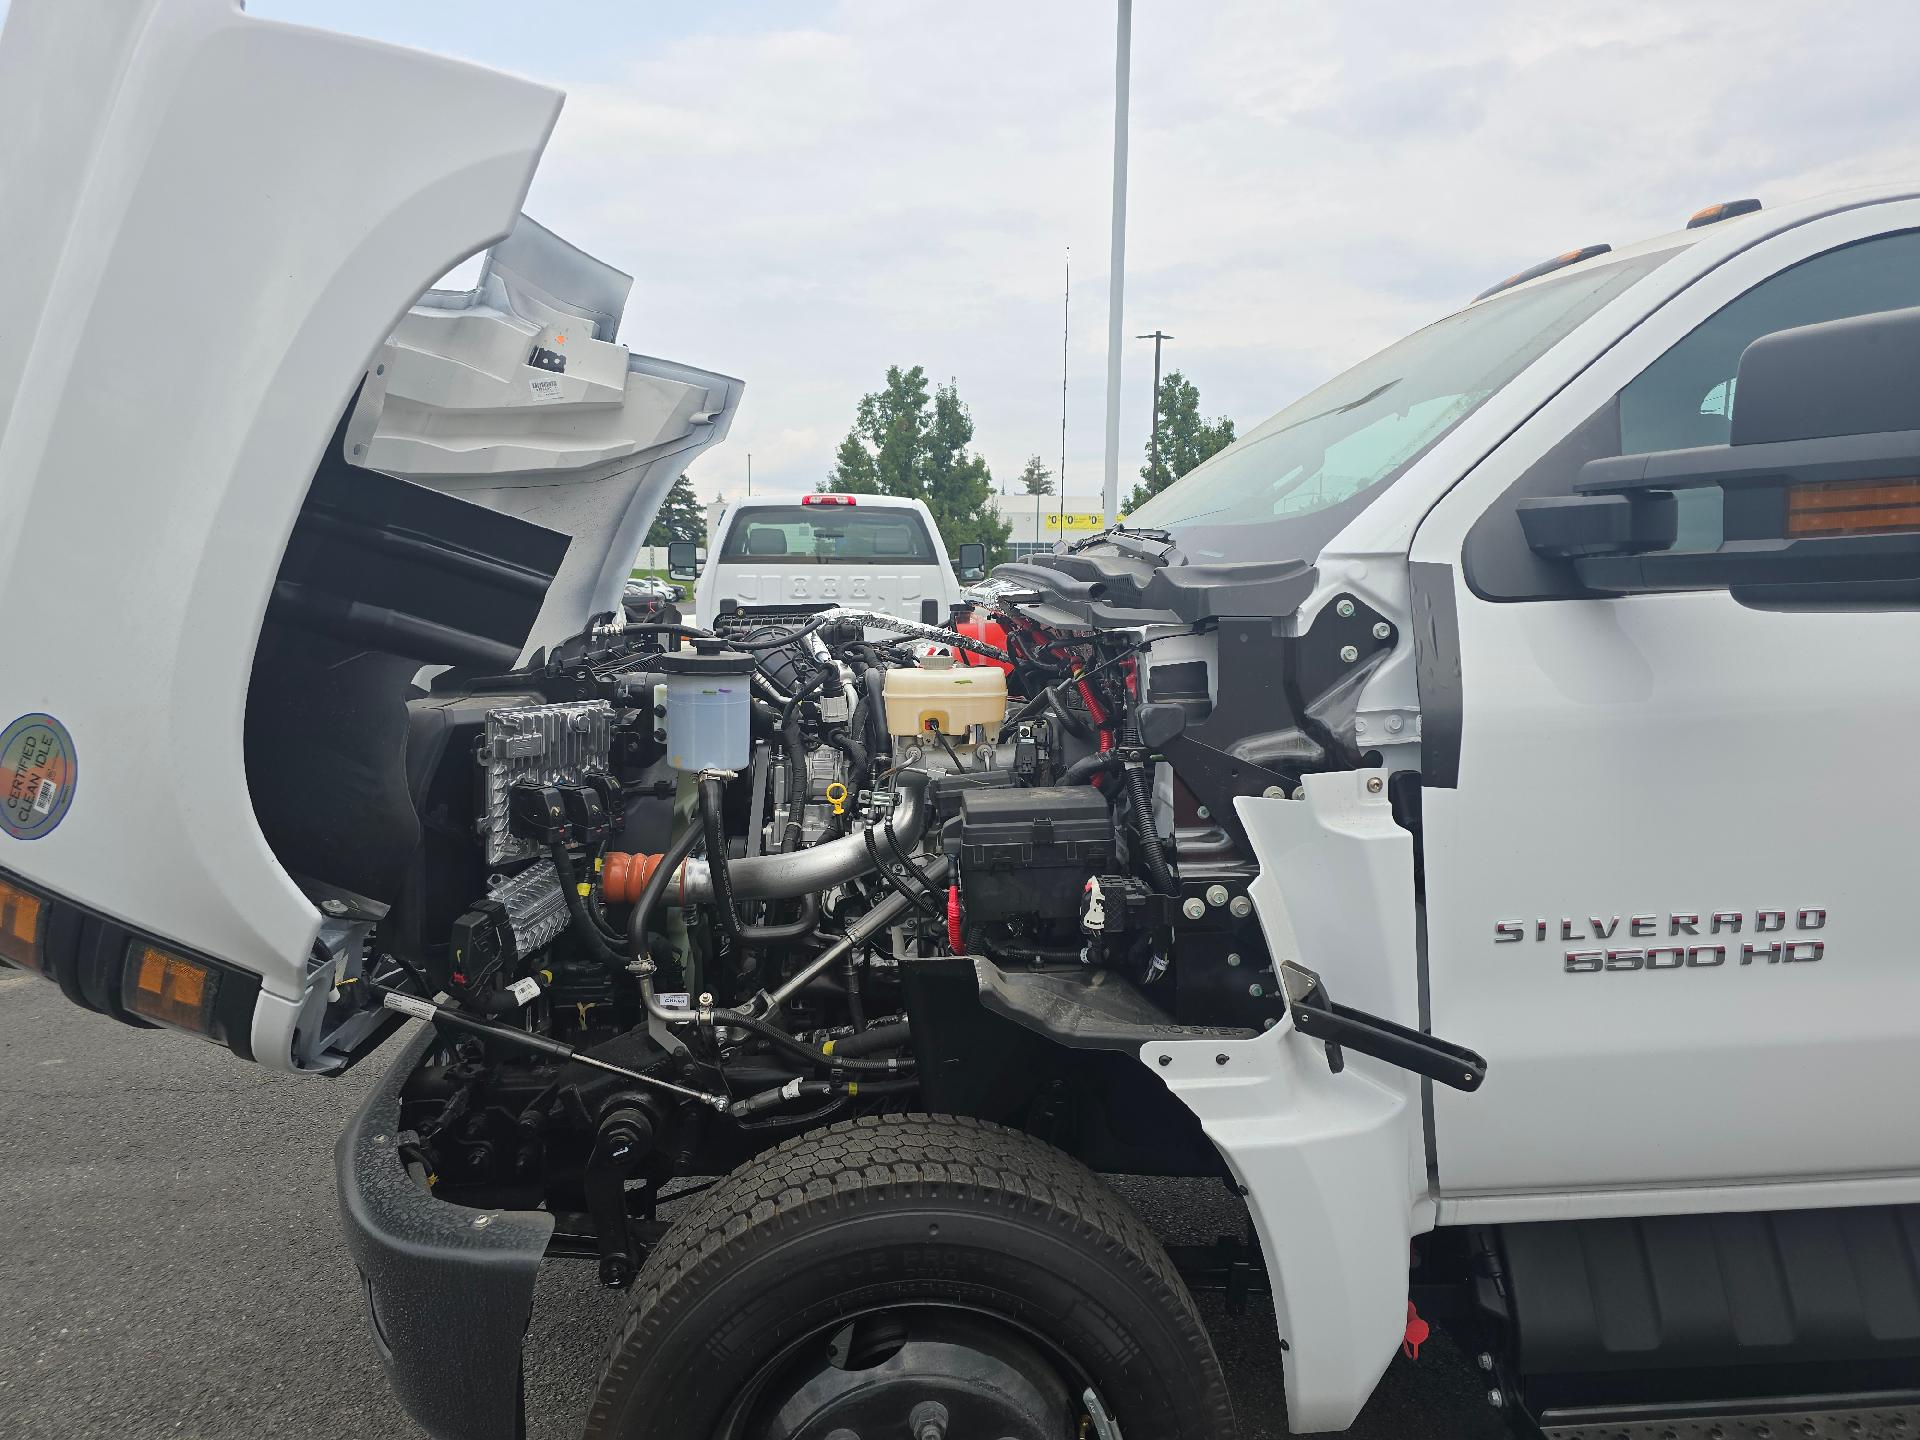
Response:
column 1184, row 438
column 913, row 444
column 680, row 516
column 1036, row 479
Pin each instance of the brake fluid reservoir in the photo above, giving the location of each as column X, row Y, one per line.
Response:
column 709, row 707
column 939, row 695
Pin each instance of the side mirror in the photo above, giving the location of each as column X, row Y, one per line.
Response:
column 973, row 561
column 683, row 560
column 1819, row 485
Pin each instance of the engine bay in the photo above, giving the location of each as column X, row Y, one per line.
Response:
column 679, row 894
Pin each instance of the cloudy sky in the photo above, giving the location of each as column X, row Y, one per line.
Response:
column 808, row 192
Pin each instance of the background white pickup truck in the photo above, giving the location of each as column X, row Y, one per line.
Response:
column 783, row 556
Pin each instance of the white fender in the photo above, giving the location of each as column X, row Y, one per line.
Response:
column 1333, row 1166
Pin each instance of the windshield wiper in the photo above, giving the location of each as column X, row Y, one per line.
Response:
column 1112, row 532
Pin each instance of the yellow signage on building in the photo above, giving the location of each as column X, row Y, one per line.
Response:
column 1072, row 522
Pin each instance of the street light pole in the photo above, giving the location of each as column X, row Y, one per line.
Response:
column 1154, row 435
column 1117, row 262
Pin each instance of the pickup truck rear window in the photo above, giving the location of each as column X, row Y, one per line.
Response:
column 827, row 535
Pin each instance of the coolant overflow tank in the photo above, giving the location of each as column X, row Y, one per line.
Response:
column 939, row 695
column 709, row 705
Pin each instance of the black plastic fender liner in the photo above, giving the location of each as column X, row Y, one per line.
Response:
column 449, row 1290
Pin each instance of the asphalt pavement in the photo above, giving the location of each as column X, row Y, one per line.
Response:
column 171, row 1264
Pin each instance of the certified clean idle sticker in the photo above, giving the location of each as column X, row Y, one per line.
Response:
column 38, row 771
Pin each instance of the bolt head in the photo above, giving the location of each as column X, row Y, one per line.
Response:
column 1216, row 895
column 1395, row 724
column 1485, row 1360
column 1382, row 630
column 1204, row 813
column 1349, row 653
column 1233, row 959
column 1375, row 785
column 1241, row 907
column 1344, row 609
column 1219, row 1059
column 1193, row 907
column 1274, row 792
column 1495, row 1398
column 1255, row 991
column 1166, row 1059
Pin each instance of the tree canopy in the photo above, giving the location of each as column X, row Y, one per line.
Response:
column 1184, row 438
column 910, row 442
column 1036, row 479
column 680, row 516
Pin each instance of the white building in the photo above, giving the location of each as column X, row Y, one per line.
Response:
column 1038, row 521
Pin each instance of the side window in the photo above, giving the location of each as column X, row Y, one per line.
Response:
column 1686, row 398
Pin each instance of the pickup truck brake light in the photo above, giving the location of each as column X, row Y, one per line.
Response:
column 828, row 500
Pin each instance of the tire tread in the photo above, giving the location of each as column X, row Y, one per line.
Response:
column 875, row 1160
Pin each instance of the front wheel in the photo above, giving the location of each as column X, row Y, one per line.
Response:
column 911, row 1275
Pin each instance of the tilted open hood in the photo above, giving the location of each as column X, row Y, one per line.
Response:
column 515, row 395
column 217, row 233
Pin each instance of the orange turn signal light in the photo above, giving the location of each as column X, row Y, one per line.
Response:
column 170, row 988
column 1853, row 507
column 23, row 925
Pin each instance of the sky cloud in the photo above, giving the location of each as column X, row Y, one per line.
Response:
column 807, row 193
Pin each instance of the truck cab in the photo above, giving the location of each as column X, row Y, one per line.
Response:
column 774, row 558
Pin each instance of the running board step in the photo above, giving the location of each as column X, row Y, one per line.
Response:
column 1879, row 1422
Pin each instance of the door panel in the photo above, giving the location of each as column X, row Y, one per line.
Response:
column 1629, row 769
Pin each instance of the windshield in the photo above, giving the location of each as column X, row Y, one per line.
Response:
column 827, row 535
column 1292, row 484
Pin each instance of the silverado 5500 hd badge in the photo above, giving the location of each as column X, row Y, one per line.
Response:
column 1683, row 941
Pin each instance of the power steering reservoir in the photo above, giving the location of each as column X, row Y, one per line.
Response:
column 709, row 705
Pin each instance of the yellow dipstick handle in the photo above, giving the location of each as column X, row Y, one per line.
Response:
column 837, row 797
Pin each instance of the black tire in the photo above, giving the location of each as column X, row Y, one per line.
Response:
column 906, row 1211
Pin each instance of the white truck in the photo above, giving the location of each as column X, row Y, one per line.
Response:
column 785, row 558
column 1470, row 816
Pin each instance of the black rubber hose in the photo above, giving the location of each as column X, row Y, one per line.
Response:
column 856, row 1006
column 1141, row 789
column 1087, row 766
column 880, row 1037
column 656, row 887
column 712, row 792
column 880, row 744
column 800, row 1050
column 778, row 642
column 818, row 682
column 598, row 941
column 797, row 786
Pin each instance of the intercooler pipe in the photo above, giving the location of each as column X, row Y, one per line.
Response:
column 719, row 868
column 777, row 877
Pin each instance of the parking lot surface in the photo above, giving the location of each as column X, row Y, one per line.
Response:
column 173, row 1266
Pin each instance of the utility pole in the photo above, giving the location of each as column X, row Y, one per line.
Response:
column 1117, row 262
column 1066, row 312
column 1153, row 435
